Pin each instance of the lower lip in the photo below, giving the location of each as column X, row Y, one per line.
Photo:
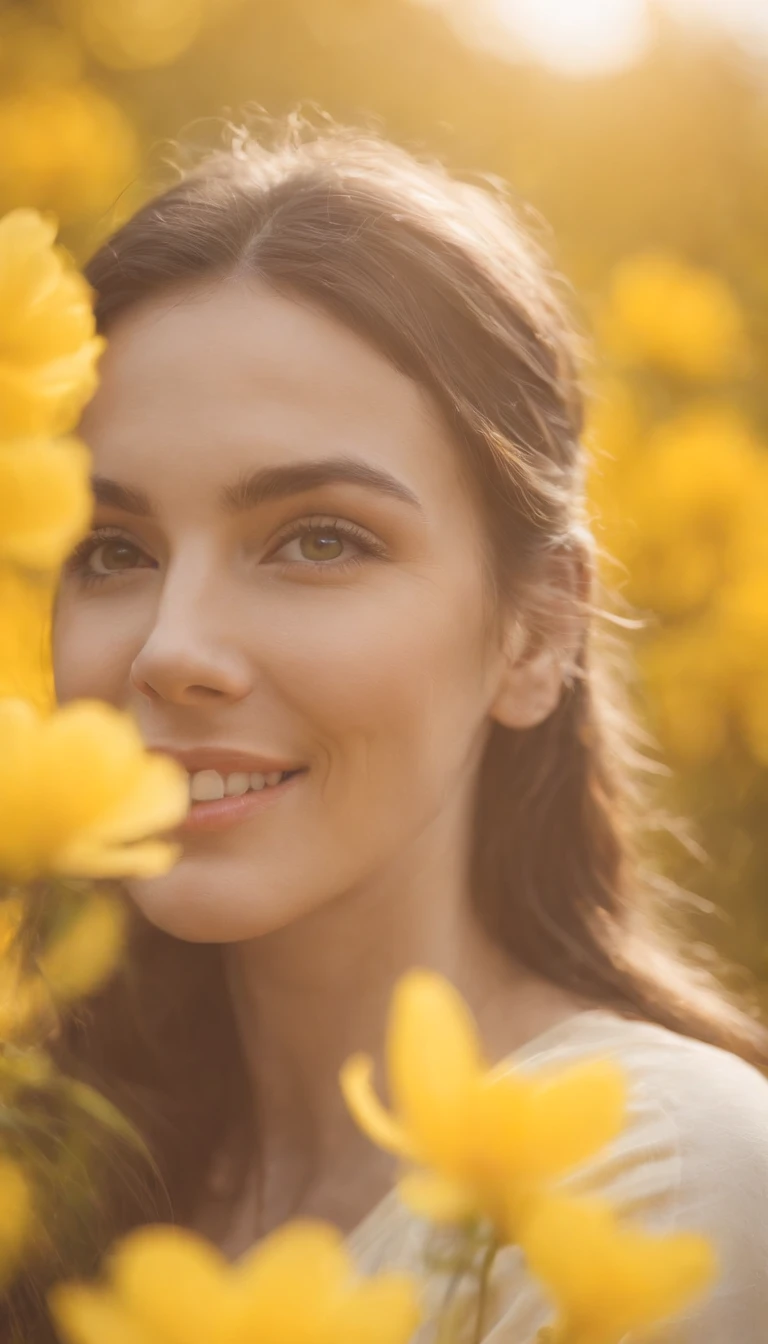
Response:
column 223, row 812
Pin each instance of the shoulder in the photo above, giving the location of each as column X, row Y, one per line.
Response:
column 693, row 1156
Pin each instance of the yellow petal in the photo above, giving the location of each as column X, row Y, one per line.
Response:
column 157, row 799
column 365, row 1107
column 85, row 1315
column 148, row 859
column 574, row 1114
column 25, row 644
column 292, row 1282
column 84, row 954
column 608, row 1277
column 175, row 1285
column 77, row 784
column 434, row 1060
column 384, row 1310
column 48, row 346
column 45, row 500
column 437, row 1198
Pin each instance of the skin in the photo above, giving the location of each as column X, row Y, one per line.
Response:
column 214, row 627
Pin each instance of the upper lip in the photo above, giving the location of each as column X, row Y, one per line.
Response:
column 224, row 760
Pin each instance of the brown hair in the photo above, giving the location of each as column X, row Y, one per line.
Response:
column 439, row 277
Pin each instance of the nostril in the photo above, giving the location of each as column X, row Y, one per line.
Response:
column 205, row 692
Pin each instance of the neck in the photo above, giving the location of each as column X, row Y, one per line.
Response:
column 310, row 994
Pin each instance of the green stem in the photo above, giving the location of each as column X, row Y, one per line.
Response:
column 482, row 1290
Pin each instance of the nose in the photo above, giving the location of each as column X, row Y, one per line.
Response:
column 191, row 656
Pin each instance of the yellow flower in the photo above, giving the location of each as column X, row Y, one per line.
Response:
column 82, row 956
column 66, row 148
column 77, row 959
column 16, row 1209
column 679, row 317
column 169, row 1286
column 608, row 1278
column 45, row 500
column 78, row 791
column 479, row 1141
column 25, row 643
column 26, row 1007
column 48, row 349
column 690, row 495
column 134, row 35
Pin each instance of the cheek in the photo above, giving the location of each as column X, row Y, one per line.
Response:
column 94, row 645
column 389, row 674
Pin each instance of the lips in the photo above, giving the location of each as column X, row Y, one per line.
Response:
column 219, row 813
column 226, row 760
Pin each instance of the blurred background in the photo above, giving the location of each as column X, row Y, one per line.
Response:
column 633, row 138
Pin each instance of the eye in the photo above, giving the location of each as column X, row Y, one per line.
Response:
column 329, row 545
column 103, row 555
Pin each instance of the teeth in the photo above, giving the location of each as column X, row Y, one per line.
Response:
column 207, row 786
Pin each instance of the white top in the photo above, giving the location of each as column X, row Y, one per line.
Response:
column 694, row 1156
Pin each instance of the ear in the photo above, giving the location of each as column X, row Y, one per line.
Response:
column 541, row 644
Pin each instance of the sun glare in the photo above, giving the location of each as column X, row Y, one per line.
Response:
column 579, row 35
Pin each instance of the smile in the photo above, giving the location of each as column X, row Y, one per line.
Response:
column 220, row 801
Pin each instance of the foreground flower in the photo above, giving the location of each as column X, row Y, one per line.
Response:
column 608, row 1278
column 480, row 1142
column 169, row 1286
column 45, row 500
column 48, row 346
column 80, row 795
column 75, row 960
column 26, row 605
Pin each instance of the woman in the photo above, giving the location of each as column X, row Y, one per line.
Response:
column 339, row 569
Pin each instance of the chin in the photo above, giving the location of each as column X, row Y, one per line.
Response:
column 210, row 901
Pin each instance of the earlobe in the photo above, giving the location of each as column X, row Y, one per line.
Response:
column 541, row 654
column 532, row 684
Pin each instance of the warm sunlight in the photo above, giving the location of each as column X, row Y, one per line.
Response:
column 579, row 35
column 588, row 36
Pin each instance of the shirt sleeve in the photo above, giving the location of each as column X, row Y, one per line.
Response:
column 693, row 1157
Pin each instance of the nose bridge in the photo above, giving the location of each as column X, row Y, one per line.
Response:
column 192, row 645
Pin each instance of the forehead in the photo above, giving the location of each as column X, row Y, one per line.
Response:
column 220, row 378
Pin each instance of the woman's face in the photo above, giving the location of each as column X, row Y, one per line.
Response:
column 285, row 574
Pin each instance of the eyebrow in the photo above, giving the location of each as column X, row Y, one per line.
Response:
column 266, row 484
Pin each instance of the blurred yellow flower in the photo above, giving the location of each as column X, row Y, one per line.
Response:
column 34, row 53
column 480, row 1141
column 683, row 506
column 606, row 1277
column 45, row 500
column 169, row 1286
column 686, row 672
column 48, row 349
column 16, row 1215
column 25, row 643
column 82, row 955
column 76, row 959
column 137, row 34
column 79, row 794
column 66, row 148
column 679, row 317
column 26, row 1007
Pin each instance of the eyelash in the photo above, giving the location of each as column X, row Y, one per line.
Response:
column 78, row 562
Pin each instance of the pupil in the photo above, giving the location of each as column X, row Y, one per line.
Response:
column 118, row 555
